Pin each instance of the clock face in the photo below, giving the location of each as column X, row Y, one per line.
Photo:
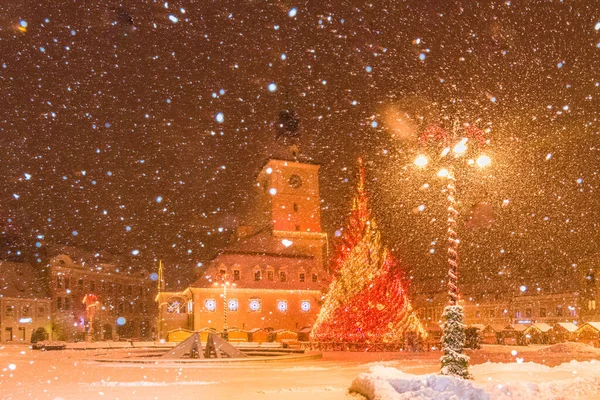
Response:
column 233, row 305
column 295, row 181
column 254, row 305
column 305, row 305
column 210, row 305
column 282, row 305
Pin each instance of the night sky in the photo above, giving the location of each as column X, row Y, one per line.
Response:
column 137, row 127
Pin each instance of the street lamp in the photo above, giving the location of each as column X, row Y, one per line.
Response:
column 454, row 362
column 224, row 280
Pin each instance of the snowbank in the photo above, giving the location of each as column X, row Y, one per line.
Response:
column 571, row 347
column 493, row 381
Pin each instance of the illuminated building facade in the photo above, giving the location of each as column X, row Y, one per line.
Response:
column 272, row 274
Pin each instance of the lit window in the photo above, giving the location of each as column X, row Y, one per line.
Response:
column 174, row 307
column 305, row 305
column 282, row 305
column 210, row 304
column 254, row 305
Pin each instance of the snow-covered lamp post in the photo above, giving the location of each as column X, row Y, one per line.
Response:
column 454, row 361
column 224, row 280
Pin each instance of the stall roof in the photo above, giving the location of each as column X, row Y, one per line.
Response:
column 569, row 326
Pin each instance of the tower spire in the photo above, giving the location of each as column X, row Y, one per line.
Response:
column 161, row 278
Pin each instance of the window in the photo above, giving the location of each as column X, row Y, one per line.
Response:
column 282, row 276
column 528, row 313
column 315, row 277
column 67, row 303
column 305, row 305
column 270, row 275
column 254, row 305
column 210, row 305
column 41, row 312
column 222, row 271
column 236, row 274
column 297, row 227
column 282, row 306
column 559, row 310
column 492, row 314
column 295, row 207
column 542, row 312
column 59, row 303
column 302, row 277
column 59, row 282
column 67, row 283
column 25, row 311
column 93, row 286
column 257, row 275
column 10, row 311
column 80, row 284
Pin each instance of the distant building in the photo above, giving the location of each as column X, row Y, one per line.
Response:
column 118, row 299
column 25, row 304
column 273, row 272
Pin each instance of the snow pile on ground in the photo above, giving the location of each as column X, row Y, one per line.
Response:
column 493, row 381
column 571, row 347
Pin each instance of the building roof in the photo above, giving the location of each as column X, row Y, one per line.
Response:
column 22, row 281
column 540, row 326
column 595, row 325
column 568, row 326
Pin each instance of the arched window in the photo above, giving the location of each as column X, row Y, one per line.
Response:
column 301, row 275
column 270, row 274
column 176, row 305
column 257, row 274
column 282, row 275
column 314, row 277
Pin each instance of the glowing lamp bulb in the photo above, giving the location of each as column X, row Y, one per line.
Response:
column 461, row 147
column 442, row 173
column 483, row 161
column 421, row 161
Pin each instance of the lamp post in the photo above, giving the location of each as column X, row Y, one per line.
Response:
column 454, row 362
column 224, row 280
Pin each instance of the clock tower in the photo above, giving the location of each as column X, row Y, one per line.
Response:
column 289, row 194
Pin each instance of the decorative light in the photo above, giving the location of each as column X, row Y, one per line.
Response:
column 233, row 305
column 483, row 161
column 442, row 173
column 282, row 305
column 287, row 242
column 461, row 147
column 254, row 305
column 445, row 151
column 305, row 305
column 421, row 160
column 210, row 304
column 273, row 191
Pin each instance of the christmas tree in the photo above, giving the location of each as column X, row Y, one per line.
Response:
column 367, row 301
column 454, row 361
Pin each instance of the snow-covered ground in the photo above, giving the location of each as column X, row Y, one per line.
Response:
column 492, row 380
column 72, row 374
